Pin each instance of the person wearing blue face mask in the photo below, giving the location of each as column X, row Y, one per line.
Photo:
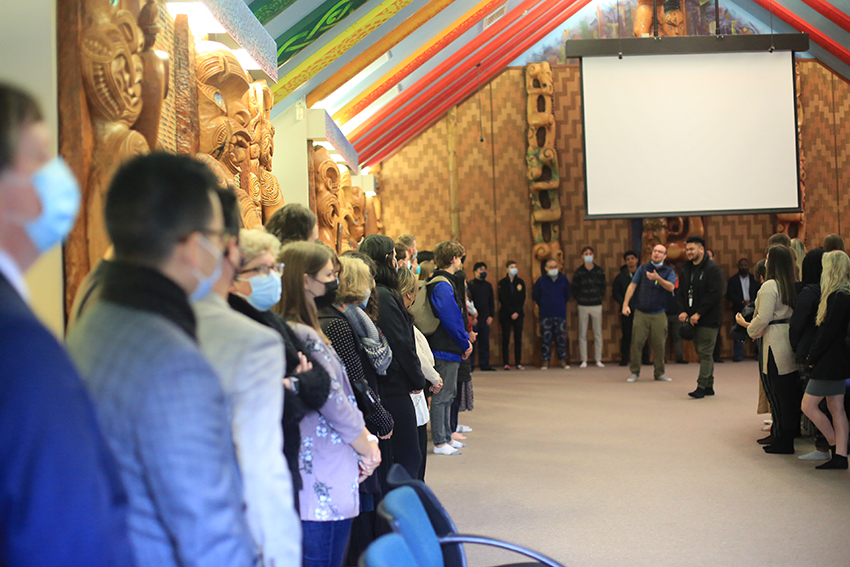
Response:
column 589, row 289
column 159, row 401
column 249, row 360
column 654, row 283
column 551, row 293
column 64, row 503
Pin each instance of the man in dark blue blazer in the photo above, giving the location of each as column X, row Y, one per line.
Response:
column 61, row 498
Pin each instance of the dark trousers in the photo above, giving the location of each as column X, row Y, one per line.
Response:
column 405, row 439
column 481, row 346
column 784, row 395
column 718, row 344
column 673, row 325
column 508, row 325
column 423, row 447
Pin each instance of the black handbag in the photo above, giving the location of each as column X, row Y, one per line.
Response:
column 687, row 331
column 739, row 333
column 367, row 400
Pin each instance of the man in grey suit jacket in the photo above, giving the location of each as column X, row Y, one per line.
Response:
column 249, row 359
column 159, row 402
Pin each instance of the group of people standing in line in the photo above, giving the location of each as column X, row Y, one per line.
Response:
column 225, row 396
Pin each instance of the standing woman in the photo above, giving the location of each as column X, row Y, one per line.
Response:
column 775, row 304
column 334, row 436
column 829, row 358
column 404, row 375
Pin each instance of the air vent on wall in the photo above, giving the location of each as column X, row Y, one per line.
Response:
column 495, row 15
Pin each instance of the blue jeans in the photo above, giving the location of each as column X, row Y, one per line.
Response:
column 441, row 402
column 324, row 543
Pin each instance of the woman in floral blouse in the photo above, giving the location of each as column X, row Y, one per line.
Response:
column 337, row 451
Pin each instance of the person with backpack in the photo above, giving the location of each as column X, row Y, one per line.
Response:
column 448, row 339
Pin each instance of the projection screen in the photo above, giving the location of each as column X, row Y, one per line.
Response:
column 679, row 135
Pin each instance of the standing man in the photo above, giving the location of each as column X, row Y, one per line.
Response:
column 158, row 399
column 741, row 290
column 481, row 292
column 718, row 344
column 699, row 305
column 551, row 293
column 589, row 289
column 651, row 285
column 511, row 314
column 618, row 291
column 62, row 502
column 409, row 241
column 450, row 342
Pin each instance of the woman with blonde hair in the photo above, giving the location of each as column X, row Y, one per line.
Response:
column 775, row 304
column 799, row 249
column 408, row 286
column 829, row 358
column 334, row 438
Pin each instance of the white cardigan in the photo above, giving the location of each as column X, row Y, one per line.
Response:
column 426, row 361
column 769, row 308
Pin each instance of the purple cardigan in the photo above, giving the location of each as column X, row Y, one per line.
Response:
column 328, row 464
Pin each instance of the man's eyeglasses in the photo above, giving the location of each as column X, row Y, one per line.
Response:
column 276, row 269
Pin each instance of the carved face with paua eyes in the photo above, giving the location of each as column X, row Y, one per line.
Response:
column 112, row 67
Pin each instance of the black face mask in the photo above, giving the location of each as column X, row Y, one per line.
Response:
column 483, row 275
column 329, row 297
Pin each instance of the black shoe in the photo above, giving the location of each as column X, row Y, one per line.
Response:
column 681, row 361
column 709, row 391
column 488, row 369
column 836, row 462
column 719, row 361
column 769, row 440
column 699, row 393
column 780, row 448
column 624, row 363
column 647, row 363
column 737, row 359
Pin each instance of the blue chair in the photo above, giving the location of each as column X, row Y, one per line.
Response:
column 388, row 551
column 403, row 510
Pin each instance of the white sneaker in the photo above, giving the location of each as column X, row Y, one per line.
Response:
column 564, row 365
column 446, row 450
column 520, row 367
column 463, row 428
column 583, row 364
column 544, row 366
column 457, row 444
column 632, row 378
column 663, row 378
column 599, row 364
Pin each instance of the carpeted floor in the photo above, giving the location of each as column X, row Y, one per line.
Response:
column 594, row 471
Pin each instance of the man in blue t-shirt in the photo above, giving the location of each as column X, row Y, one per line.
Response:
column 653, row 282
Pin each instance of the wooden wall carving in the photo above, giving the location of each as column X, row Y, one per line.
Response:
column 132, row 80
column 543, row 172
column 327, row 178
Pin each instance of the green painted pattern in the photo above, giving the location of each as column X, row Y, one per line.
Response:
column 267, row 10
column 309, row 29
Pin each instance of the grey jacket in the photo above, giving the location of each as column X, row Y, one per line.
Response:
column 162, row 409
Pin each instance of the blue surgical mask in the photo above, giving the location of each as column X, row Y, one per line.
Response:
column 265, row 291
column 513, row 271
column 418, row 269
column 553, row 273
column 59, row 194
column 588, row 259
column 658, row 265
column 365, row 302
column 205, row 284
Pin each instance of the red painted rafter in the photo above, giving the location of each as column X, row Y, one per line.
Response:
column 419, row 89
column 436, row 110
column 831, row 13
column 816, row 35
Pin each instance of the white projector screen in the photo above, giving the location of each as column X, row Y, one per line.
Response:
column 679, row 135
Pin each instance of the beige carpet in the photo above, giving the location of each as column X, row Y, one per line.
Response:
column 594, row 471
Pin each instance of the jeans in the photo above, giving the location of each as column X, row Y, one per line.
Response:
column 441, row 402
column 594, row 313
column 553, row 327
column 324, row 542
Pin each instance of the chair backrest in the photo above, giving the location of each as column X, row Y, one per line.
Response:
column 406, row 515
column 453, row 554
column 388, row 551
